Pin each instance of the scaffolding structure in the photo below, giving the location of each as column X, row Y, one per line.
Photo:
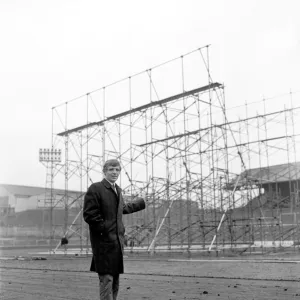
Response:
column 179, row 144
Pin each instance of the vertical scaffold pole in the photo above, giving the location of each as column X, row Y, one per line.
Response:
column 130, row 141
column 152, row 164
column 66, row 202
column 296, row 165
column 226, row 167
column 288, row 158
column 120, row 147
column 51, row 188
column 260, row 184
column 146, row 218
column 103, row 130
column 266, row 148
column 201, row 213
column 213, row 186
column 185, row 162
column 181, row 203
column 168, row 182
column 87, row 171
column 81, row 192
column 249, row 185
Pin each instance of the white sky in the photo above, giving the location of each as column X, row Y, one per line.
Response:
column 53, row 51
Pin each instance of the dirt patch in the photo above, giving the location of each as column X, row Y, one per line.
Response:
column 63, row 277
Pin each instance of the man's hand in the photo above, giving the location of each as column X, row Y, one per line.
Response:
column 143, row 195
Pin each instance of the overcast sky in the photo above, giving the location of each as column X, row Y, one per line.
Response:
column 53, row 51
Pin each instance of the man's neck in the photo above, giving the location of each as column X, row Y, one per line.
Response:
column 112, row 183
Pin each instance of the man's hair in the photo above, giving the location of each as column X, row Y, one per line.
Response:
column 111, row 163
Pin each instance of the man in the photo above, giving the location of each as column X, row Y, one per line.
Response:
column 102, row 210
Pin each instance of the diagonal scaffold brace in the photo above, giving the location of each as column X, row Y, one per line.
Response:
column 224, row 214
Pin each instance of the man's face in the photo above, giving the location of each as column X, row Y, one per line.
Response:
column 112, row 173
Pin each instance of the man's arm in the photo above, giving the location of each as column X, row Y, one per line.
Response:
column 91, row 210
column 135, row 206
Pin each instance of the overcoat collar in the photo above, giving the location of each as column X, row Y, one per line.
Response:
column 109, row 186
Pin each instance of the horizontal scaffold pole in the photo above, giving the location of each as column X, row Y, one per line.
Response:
column 144, row 107
column 217, row 126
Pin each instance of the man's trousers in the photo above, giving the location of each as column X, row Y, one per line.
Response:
column 109, row 286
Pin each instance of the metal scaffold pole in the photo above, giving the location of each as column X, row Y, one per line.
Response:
column 51, row 191
column 296, row 190
column 87, row 171
column 81, row 191
column 66, row 197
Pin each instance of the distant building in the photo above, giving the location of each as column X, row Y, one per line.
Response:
column 18, row 198
column 277, row 190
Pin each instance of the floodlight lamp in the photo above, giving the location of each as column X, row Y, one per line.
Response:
column 50, row 155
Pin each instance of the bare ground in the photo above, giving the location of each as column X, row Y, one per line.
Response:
column 67, row 277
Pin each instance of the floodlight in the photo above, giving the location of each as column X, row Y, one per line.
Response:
column 50, row 155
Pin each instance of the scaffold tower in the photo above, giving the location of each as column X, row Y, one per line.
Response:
column 192, row 156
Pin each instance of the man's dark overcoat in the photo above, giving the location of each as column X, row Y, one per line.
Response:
column 103, row 210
